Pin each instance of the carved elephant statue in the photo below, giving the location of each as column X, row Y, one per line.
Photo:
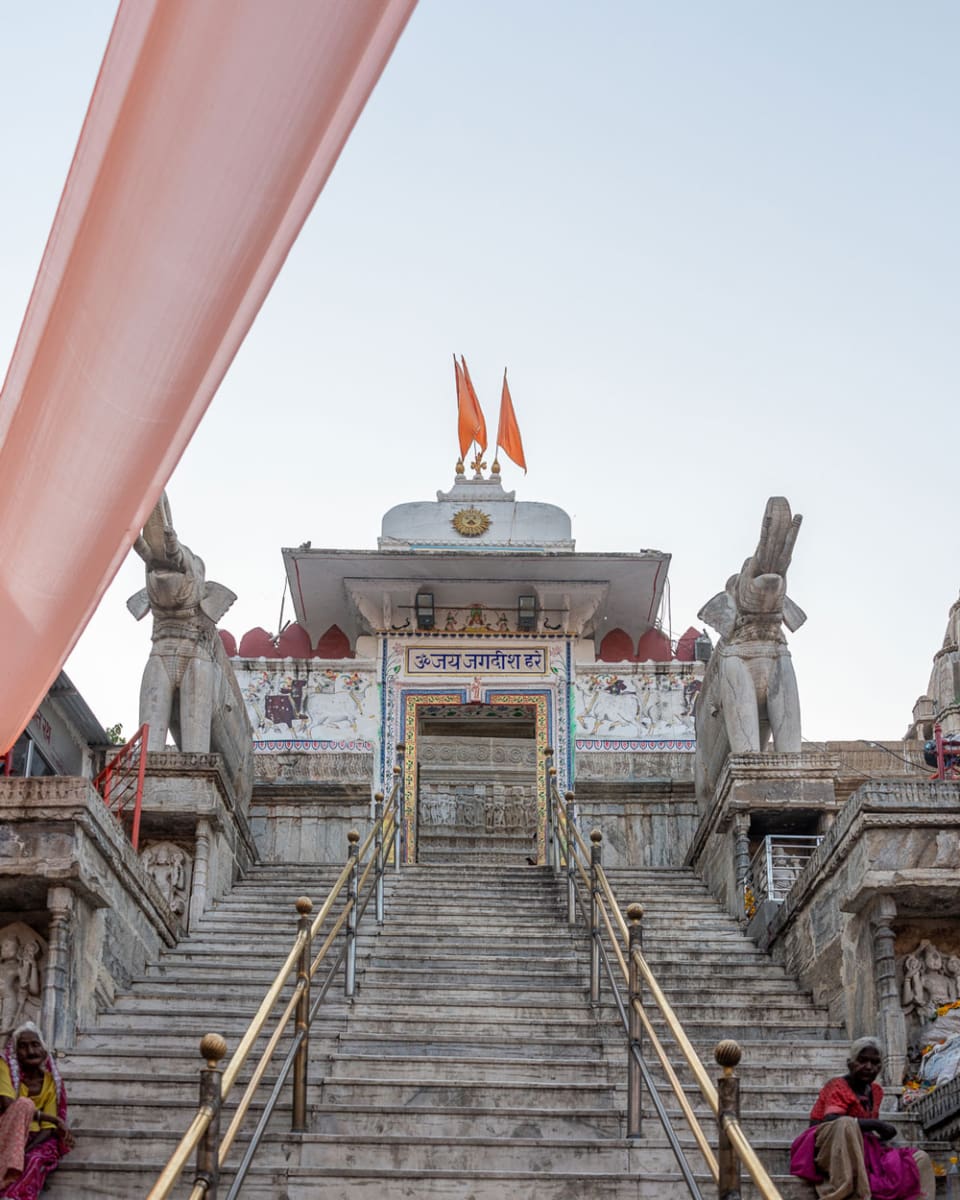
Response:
column 749, row 692
column 188, row 684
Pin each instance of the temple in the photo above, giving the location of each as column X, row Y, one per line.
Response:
column 476, row 636
column 494, row 734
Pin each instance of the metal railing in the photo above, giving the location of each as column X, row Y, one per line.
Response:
column 777, row 864
column 617, row 948
column 120, row 783
column 359, row 882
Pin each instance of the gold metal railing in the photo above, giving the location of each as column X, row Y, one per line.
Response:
column 202, row 1137
column 589, row 891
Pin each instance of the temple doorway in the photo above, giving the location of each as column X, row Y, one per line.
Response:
column 476, row 792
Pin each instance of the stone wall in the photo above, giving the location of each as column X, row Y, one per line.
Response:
column 304, row 804
column 884, row 876
column 759, row 794
column 189, row 803
column 71, row 882
column 645, row 823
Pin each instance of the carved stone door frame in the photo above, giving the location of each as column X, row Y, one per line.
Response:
column 537, row 700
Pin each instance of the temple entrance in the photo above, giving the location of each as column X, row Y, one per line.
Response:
column 476, row 796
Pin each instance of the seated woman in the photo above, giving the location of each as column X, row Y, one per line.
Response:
column 846, row 1151
column 34, row 1134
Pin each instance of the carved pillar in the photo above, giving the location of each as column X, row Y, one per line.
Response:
column 56, row 1006
column 741, row 856
column 891, row 1023
column 201, row 872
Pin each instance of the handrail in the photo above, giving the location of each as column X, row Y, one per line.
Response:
column 123, row 775
column 605, row 913
column 205, row 1124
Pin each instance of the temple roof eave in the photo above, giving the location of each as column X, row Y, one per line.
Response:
column 330, row 586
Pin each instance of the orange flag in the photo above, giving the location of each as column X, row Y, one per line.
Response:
column 508, row 432
column 471, row 425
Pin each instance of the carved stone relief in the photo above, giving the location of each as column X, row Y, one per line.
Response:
column 23, row 960
column 479, row 806
column 931, row 978
column 170, row 868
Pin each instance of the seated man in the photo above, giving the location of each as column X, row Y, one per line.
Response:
column 846, row 1151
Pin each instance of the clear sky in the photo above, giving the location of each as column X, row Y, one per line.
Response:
column 716, row 246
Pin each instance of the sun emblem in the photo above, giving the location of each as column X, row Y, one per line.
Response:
column 471, row 522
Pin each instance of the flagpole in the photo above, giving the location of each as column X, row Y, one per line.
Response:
column 456, row 388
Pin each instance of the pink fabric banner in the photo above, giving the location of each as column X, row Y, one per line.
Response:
column 212, row 128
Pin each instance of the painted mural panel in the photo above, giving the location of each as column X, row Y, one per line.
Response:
column 636, row 707
column 310, row 707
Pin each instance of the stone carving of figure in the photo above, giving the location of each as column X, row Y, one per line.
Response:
column 9, row 984
column 20, row 976
column 912, row 995
column 167, row 865
column 750, row 689
column 515, row 808
column 186, row 685
column 938, row 987
column 952, row 968
column 29, row 997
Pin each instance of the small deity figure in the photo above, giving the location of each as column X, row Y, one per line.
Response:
column 166, row 864
column 476, row 690
column 19, row 978
column 29, row 998
column 450, row 625
column 515, row 808
column 938, row 987
column 912, row 994
column 503, row 623
column 952, row 968
column 9, row 984
column 475, row 619
column 496, row 814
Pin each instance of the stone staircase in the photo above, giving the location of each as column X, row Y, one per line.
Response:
column 469, row 1064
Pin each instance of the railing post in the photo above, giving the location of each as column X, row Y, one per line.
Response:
column 350, row 968
column 571, row 866
column 768, row 846
column 301, row 1062
column 144, row 734
column 634, row 1078
column 550, row 774
column 212, row 1050
column 741, row 857
column 596, row 861
column 727, row 1054
column 400, row 834
column 378, row 850
column 553, row 857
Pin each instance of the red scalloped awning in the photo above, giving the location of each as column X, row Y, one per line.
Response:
column 211, row 131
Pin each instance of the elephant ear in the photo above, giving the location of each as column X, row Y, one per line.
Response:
column 720, row 613
column 793, row 615
column 216, row 600
column 139, row 604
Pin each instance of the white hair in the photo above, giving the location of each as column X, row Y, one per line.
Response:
column 861, row 1044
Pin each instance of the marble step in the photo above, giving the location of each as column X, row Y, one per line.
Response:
column 466, row 1045
column 453, row 1069
column 450, row 959
column 101, row 1117
column 108, row 1181
column 563, row 1154
column 523, row 975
